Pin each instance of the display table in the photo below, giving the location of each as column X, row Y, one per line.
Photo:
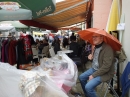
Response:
column 65, row 51
column 54, row 77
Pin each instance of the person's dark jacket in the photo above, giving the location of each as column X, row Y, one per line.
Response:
column 21, row 54
column 65, row 42
column 42, row 46
column 85, row 52
column 75, row 47
column 106, row 63
column 72, row 38
column 56, row 46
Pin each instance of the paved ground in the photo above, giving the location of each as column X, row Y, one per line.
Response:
column 78, row 88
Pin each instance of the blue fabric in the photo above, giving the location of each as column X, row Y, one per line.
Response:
column 88, row 87
column 125, row 80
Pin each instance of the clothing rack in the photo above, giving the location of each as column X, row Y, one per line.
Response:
column 6, row 54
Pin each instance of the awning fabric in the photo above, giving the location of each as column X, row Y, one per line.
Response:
column 37, row 24
column 68, row 12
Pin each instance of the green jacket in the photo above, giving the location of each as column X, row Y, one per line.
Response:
column 106, row 63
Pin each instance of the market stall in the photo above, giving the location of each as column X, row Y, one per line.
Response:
column 54, row 77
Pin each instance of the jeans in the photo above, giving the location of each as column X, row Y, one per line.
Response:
column 89, row 86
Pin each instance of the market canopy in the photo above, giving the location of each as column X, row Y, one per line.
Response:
column 16, row 24
column 25, row 9
column 68, row 12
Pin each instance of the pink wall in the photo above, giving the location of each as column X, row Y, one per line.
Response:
column 101, row 13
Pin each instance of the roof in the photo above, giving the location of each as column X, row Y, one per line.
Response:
column 68, row 12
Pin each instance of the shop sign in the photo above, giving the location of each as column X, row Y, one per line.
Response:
column 121, row 26
column 46, row 10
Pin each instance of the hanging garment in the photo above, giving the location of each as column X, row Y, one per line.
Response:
column 20, row 53
column 3, row 50
column 1, row 40
column 12, row 52
column 27, row 48
column 24, row 51
column 7, row 51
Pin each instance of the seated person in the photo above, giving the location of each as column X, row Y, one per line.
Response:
column 81, row 45
column 65, row 42
column 102, row 69
column 75, row 47
column 37, row 41
column 42, row 45
column 85, row 52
